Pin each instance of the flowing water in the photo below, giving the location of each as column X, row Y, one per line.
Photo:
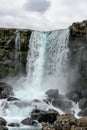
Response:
column 47, row 67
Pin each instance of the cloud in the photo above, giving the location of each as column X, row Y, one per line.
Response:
column 37, row 5
column 41, row 14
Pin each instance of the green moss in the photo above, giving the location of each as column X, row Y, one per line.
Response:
column 4, row 58
column 4, row 69
column 3, row 50
column 21, row 53
column 82, row 80
column 11, row 70
column 75, row 50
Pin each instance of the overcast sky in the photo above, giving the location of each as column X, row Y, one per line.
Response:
column 41, row 14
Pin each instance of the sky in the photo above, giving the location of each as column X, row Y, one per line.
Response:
column 41, row 14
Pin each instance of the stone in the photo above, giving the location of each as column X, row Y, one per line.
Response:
column 44, row 116
column 47, row 117
column 3, row 122
column 12, row 99
column 64, row 122
column 3, row 128
column 62, row 104
column 83, row 103
column 82, row 122
column 5, row 90
column 84, row 93
column 74, row 96
column 83, row 112
column 30, row 122
column 52, row 93
column 14, row 125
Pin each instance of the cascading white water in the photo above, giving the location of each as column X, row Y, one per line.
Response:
column 56, row 70
column 35, row 59
column 47, row 67
column 17, row 41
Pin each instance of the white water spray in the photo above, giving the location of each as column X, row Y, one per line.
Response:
column 47, row 67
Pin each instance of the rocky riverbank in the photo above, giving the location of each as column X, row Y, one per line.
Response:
column 49, row 118
column 13, row 57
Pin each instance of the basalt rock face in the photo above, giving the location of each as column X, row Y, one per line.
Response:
column 12, row 59
column 78, row 48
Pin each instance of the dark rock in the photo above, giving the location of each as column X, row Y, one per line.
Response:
column 62, row 104
column 14, row 125
column 3, row 122
column 44, row 116
column 52, row 93
column 48, row 116
column 1, row 75
column 82, row 122
column 64, row 122
column 83, row 103
column 30, row 122
column 83, row 112
column 74, row 96
column 84, row 93
column 3, row 128
column 12, row 99
column 5, row 90
column 35, row 113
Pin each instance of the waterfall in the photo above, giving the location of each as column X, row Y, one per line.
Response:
column 17, row 41
column 47, row 67
column 47, row 60
column 56, row 70
column 35, row 59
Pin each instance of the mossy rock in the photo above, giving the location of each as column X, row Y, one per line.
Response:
column 4, row 58
column 11, row 70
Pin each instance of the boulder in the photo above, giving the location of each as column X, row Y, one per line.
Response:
column 14, row 125
column 74, row 96
column 64, row 122
column 62, row 104
column 5, row 90
column 12, row 99
column 44, row 116
column 3, row 128
column 84, row 93
column 52, row 93
column 30, row 122
column 82, row 122
column 48, row 116
column 83, row 103
column 83, row 112
column 3, row 122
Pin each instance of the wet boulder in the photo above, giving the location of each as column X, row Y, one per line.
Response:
column 12, row 99
column 83, row 103
column 5, row 90
column 83, row 112
column 35, row 113
column 82, row 122
column 84, row 93
column 3, row 128
column 64, row 122
column 62, row 104
column 30, row 122
column 74, row 96
column 44, row 116
column 14, row 125
column 52, row 93
column 3, row 122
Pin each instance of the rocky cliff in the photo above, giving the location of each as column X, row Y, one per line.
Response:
column 13, row 58
column 78, row 47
